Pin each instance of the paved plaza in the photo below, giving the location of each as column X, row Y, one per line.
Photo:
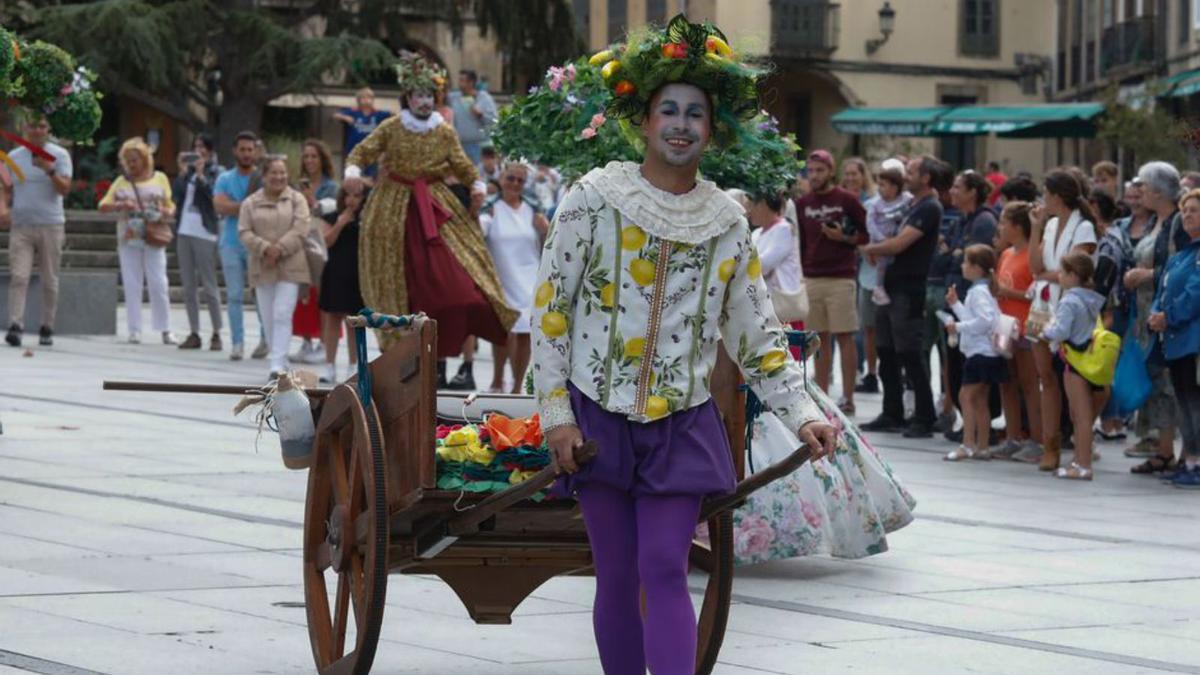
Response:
column 151, row 534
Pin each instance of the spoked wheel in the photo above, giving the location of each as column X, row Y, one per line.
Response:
column 717, row 560
column 346, row 536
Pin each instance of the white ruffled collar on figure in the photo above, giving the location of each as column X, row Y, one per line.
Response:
column 418, row 125
column 690, row 218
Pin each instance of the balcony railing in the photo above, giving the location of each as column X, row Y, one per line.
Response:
column 1130, row 44
column 804, row 27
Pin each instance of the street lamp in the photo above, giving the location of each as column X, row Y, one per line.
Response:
column 887, row 23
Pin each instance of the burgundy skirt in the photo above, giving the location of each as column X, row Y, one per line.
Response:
column 440, row 286
column 685, row 453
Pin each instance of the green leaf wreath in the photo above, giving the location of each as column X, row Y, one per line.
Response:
column 39, row 77
column 564, row 123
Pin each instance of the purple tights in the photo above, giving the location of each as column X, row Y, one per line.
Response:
column 641, row 544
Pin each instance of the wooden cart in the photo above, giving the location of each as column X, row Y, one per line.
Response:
column 373, row 508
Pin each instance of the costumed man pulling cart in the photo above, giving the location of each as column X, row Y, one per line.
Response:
column 420, row 251
column 646, row 269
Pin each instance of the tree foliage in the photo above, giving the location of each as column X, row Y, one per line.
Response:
column 216, row 63
column 1147, row 131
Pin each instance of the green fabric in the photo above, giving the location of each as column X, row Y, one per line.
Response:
column 888, row 121
column 1052, row 120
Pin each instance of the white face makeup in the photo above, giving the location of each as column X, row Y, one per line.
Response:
column 679, row 125
column 420, row 104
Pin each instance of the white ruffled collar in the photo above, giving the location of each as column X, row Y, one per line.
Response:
column 420, row 126
column 690, row 218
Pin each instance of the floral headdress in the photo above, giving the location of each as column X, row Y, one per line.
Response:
column 691, row 53
column 414, row 72
column 563, row 123
column 42, row 78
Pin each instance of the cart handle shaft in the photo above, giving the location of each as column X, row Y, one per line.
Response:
column 755, row 482
column 468, row 522
column 187, row 388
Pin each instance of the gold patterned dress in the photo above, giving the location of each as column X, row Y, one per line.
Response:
column 419, row 250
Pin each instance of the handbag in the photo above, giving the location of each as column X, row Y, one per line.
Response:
column 1041, row 312
column 158, row 232
column 1098, row 363
column 1005, row 333
column 790, row 307
column 1131, row 380
column 315, row 252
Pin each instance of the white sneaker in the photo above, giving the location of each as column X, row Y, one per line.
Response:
column 310, row 352
column 330, row 374
column 235, row 353
column 135, row 338
column 169, row 338
column 880, row 297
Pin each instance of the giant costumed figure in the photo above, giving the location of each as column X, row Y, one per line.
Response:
column 419, row 249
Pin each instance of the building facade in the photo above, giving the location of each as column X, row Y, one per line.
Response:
column 828, row 56
column 1146, row 52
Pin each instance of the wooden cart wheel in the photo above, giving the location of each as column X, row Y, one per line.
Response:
column 346, row 536
column 717, row 560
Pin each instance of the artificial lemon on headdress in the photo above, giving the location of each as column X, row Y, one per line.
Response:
column 414, row 72
column 690, row 53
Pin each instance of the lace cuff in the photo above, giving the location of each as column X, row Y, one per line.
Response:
column 352, row 171
column 799, row 413
column 555, row 410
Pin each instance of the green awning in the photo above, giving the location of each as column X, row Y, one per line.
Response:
column 1181, row 84
column 1050, row 120
column 887, row 121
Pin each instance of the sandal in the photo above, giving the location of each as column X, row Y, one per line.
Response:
column 959, row 454
column 1110, row 437
column 846, row 407
column 1156, row 464
column 1074, row 472
column 1147, row 447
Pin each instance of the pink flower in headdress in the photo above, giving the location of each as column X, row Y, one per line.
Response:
column 598, row 120
column 555, row 75
column 588, row 132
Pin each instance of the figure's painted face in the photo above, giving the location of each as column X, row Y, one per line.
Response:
column 420, row 104
column 679, row 125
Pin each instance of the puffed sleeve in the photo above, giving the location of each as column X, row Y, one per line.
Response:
column 460, row 165
column 560, row 276
column 755, row 340
column 369, row 149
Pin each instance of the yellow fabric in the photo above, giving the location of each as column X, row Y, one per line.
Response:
column 158, row 188
column 1098, row 363
column 463, row 445
column 518, row 476
column 434, row 156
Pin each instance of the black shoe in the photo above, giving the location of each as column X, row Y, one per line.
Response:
column 945, row 422
column 13, row 337
column 918, row 430
column 883, row 423
column 869, row 385
column 465, row 379
column 953, row 436
column 46, row 337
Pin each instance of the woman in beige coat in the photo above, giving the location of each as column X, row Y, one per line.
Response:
column 272, row 225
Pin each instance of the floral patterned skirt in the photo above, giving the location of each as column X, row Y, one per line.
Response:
column 843, row 506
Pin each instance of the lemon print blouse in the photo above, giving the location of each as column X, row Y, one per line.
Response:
column 637, row 287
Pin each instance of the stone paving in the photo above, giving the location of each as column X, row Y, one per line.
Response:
column 145, row 533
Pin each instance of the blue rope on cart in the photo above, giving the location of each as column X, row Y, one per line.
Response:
column 374, row 320
column 755, row 407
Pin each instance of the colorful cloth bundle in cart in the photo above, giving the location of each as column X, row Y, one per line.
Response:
column 492, row 456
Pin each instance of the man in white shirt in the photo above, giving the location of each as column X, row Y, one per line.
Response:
column 38, row 227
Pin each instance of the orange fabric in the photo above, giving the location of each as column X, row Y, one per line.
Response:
column 1014, row 271
column 506, row 432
